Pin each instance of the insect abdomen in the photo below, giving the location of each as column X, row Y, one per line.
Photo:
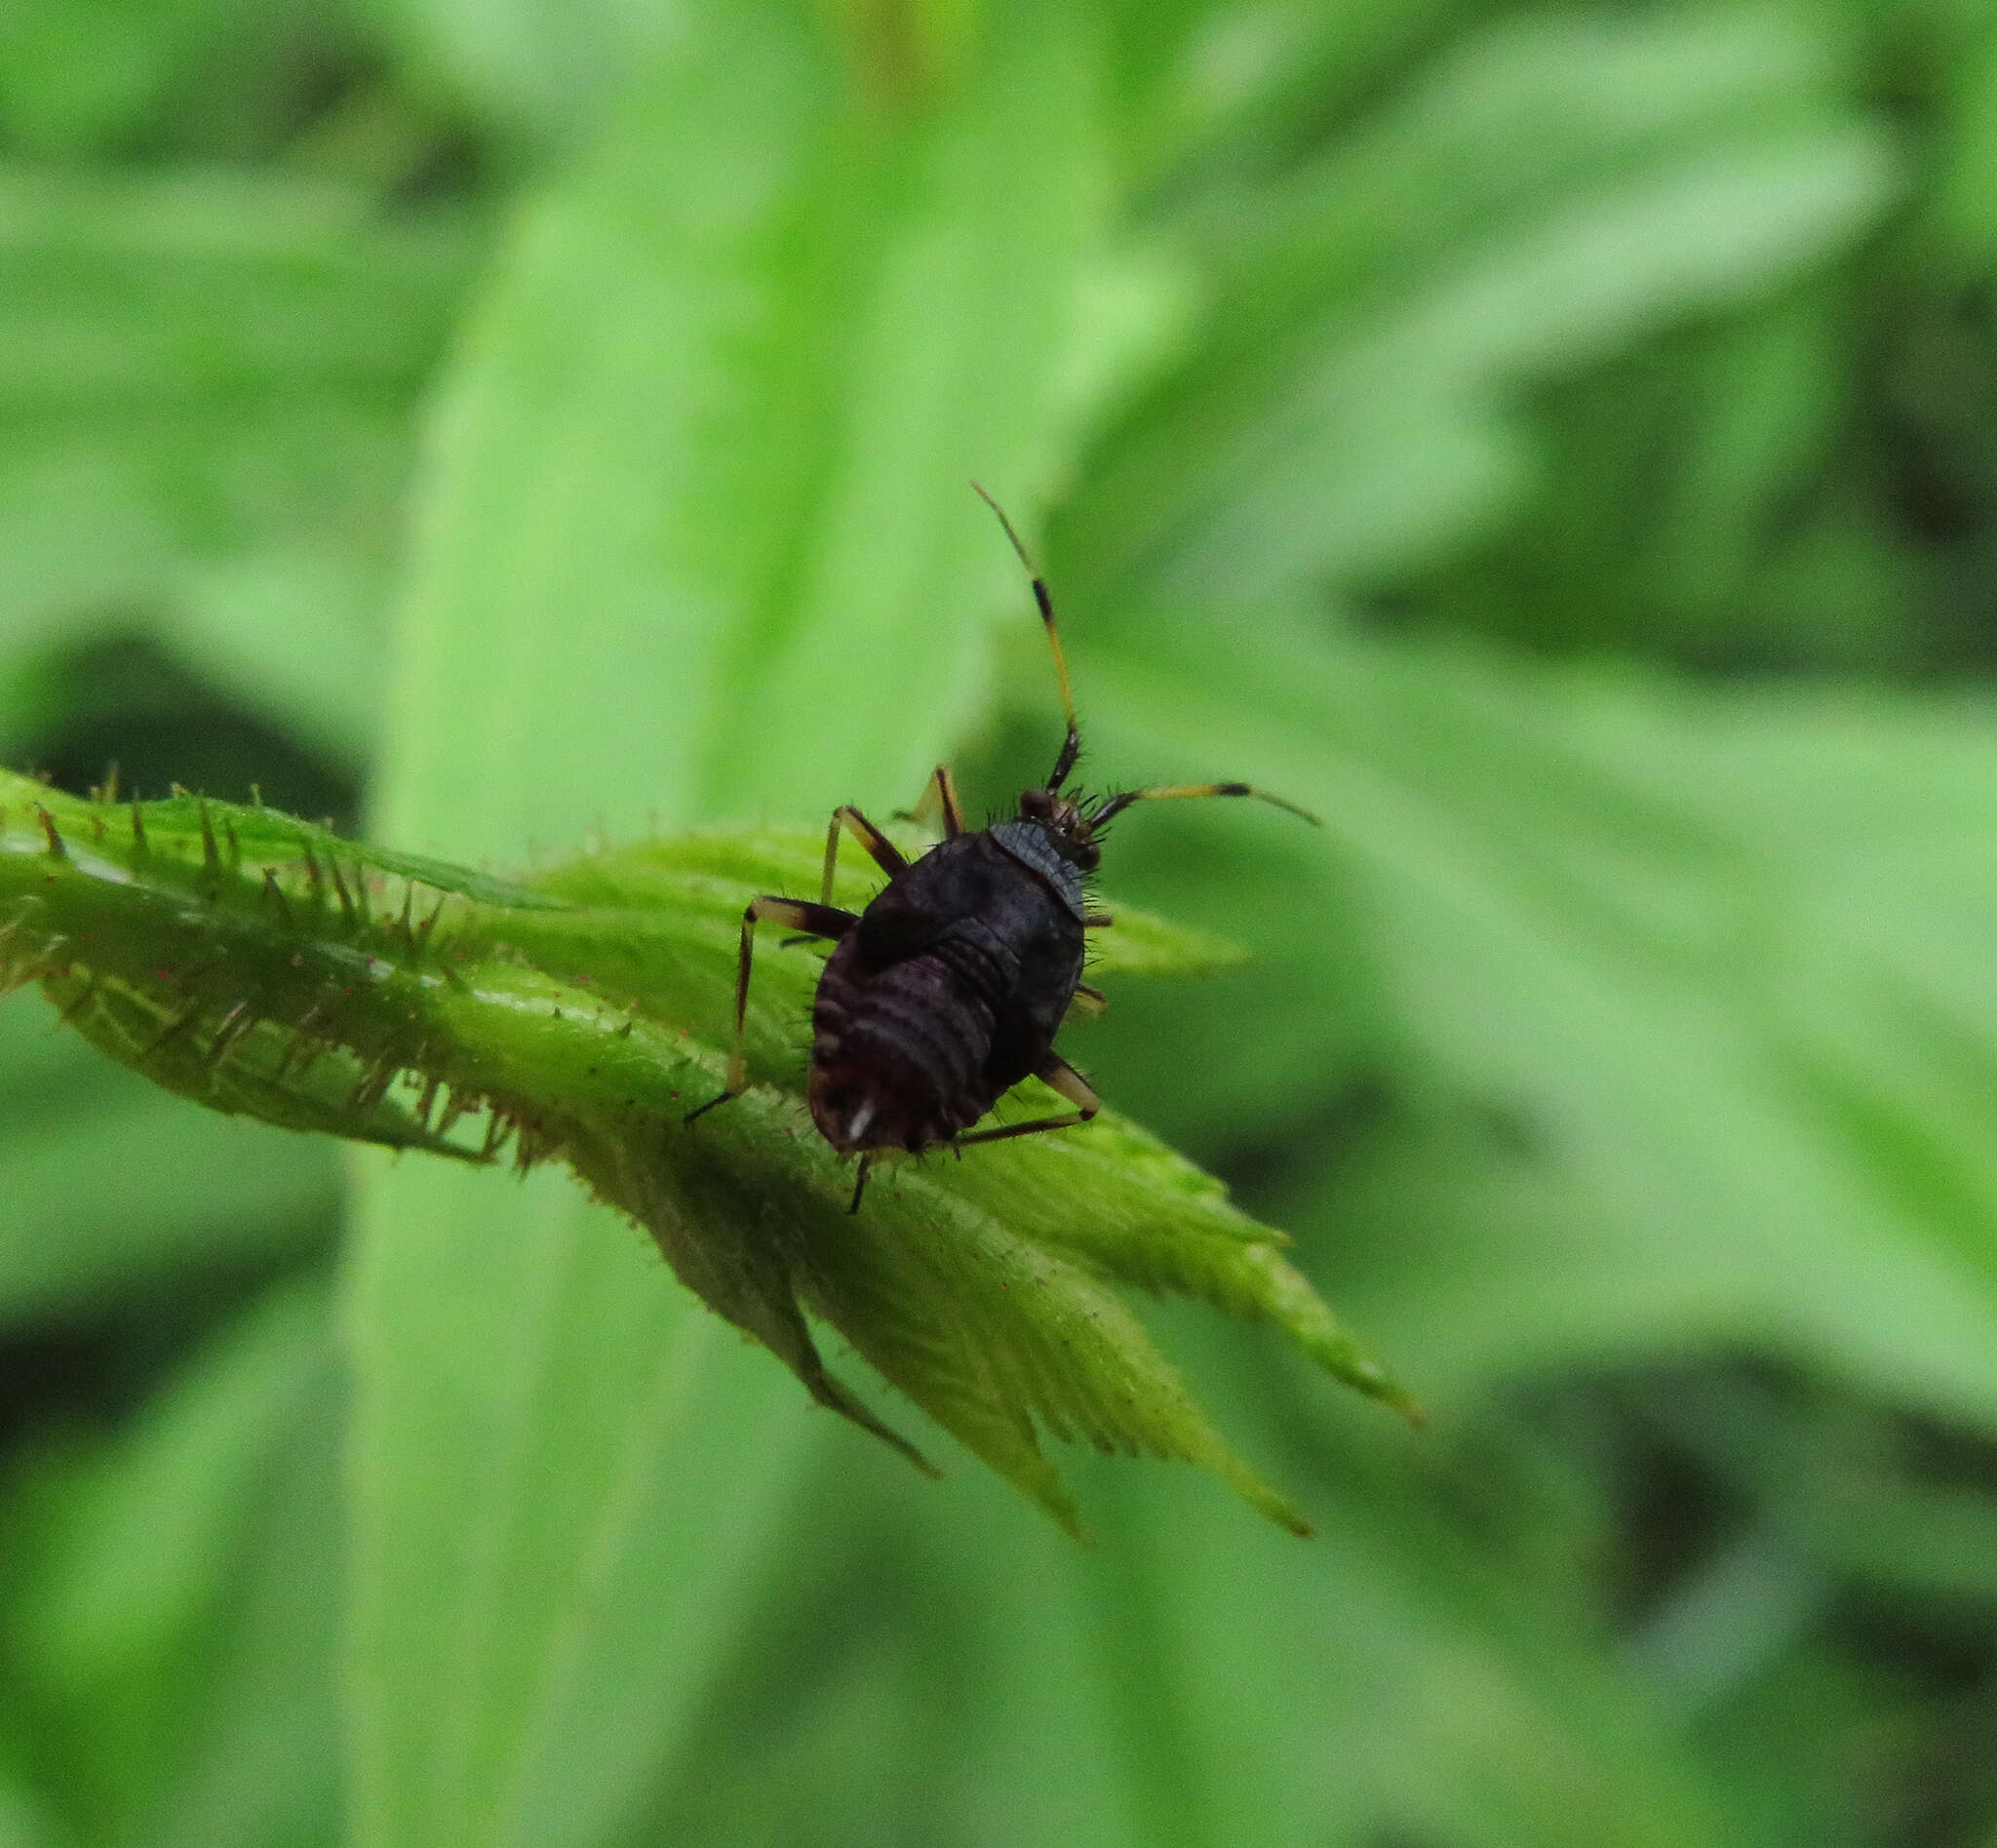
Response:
column 899, row 1060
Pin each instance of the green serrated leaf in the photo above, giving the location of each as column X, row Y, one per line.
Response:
column 262, row 966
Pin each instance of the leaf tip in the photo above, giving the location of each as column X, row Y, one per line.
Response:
column 1374, row 1380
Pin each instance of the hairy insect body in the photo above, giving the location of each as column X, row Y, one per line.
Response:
column 948, row 990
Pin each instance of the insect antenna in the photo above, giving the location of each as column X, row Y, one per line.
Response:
column 1070, row 746
column 1113, row 805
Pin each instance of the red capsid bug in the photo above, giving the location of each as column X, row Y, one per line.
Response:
column 950, row 987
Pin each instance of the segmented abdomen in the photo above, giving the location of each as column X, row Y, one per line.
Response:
column 899, row 1059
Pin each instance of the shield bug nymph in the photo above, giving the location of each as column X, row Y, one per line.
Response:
column 950, row 987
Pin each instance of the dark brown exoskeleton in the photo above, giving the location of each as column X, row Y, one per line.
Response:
column 949, row 988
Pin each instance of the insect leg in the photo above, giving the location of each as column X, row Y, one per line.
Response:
column 885, row 854
column 1088, row 1000
column 1115, row 805
column 940, row 793
column 811, row 921
column 1054, row 1071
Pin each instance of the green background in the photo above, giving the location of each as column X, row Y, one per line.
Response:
column 1554, row 445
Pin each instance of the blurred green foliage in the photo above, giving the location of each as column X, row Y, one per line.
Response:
column 1554, row 445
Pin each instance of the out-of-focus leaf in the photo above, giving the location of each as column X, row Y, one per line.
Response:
column 1459, row 1710
column 1554, row 191
column 120, row 291
column 24, row 1822
column 1960, row 206
column 171, row 1602
column 112, row 1187
column 1701, row 982
column 83, row 80
column 1668, row 509
column 1237, row 88
column 1463, row 1714
column 204, row 384
column 991, row 1655
column 535, row 69
column 290, row 633
column 821, row 632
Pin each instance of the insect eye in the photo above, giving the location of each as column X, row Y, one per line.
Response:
column 1038, row 803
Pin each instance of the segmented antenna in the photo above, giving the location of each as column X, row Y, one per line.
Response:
column 1070, row 746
